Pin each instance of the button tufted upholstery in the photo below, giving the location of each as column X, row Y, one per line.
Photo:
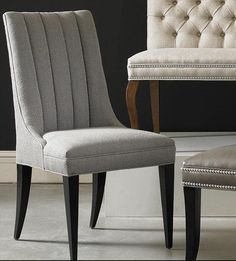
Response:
column 183, row 24
column 214, row 19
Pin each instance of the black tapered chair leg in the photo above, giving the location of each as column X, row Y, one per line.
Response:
column 166, row 174
column 193, row 221
column 99, row 181
column 24, row 174
column 71, row 193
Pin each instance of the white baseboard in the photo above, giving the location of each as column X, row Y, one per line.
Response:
column 8, row 171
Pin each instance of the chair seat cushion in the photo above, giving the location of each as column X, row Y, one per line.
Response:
column 215, row 168
column 183, row 64
column 91, row 150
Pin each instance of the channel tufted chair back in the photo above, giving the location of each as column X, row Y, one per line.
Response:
column 191, row 24
column 59, row 80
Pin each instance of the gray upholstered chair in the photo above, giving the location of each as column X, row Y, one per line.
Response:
column 213, row 169
column 187, row 40
column 64, row 120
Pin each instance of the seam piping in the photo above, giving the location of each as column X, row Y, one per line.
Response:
column 111, row 154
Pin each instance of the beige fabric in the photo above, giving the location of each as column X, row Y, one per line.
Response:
column 188, row 40
column 184, row 63
column 215, row 168
column 191, row 24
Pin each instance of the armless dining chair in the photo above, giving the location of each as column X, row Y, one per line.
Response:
column 64, row 120
column 190, row 40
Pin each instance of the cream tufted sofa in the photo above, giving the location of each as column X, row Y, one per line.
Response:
column 187, row 40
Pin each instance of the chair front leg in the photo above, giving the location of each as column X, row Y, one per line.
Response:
column 166, row 174
column 131, row 93
column 193, row 221
column 71, row 193
column 24, row 174
column 99, row 181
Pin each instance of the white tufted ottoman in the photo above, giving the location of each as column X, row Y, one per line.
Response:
column 187, row 40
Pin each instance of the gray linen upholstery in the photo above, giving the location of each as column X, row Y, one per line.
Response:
column 102, row 149
column 64, row 119
column 214, row 169
column 178, row 31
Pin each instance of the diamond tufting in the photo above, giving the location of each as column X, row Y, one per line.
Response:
column 191, row 24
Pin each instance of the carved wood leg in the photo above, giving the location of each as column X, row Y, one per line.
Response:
column 131, row 93
column 155, row 105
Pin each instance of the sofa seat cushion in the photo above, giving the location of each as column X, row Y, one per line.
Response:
column 183, row 64
column 91, row 150
column 215, row 169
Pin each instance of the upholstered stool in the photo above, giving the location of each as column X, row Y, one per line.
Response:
column 187, row 40
column 213, row 169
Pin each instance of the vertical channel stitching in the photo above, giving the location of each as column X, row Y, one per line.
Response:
column 85, row 68
column 33, row 57
column 50, row 59
column 69, row 63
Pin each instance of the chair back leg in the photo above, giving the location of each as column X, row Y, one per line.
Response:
column 99, row 181
column 24, row 174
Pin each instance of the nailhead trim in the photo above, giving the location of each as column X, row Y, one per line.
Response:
column 147, row 78
column 182, row 66
column 133, row 66
column 210, row 186
column 212, row 171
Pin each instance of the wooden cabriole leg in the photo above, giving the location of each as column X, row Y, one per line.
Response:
column 166, row 174
column 71, row 193
column 131, row 93
column 24, row 174
column 193, row 221
column 155, row 105
column 99, row 181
